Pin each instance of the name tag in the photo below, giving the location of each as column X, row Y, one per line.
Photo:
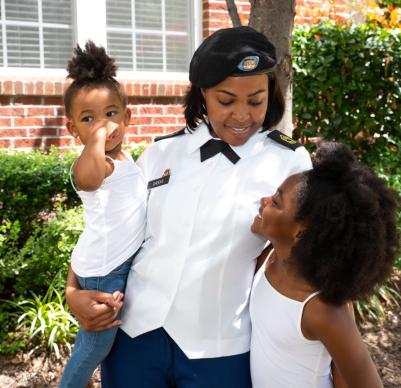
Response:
column 159, row 181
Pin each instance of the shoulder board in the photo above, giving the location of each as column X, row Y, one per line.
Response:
column 284, row 140
column 170, row 135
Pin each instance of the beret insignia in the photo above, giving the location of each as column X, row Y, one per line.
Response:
column 249, row 63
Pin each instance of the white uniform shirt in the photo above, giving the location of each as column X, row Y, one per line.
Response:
column 193, row 275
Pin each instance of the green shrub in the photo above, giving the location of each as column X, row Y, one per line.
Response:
column 9, row 341
column 347, row 87
column 34, row 182
column 9, row 248
column 136, row 150
column 389, row 3
column 44, row 257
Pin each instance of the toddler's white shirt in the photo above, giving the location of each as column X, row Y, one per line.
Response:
column 115, row 218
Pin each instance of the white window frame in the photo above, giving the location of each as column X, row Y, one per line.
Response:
column 90, row 23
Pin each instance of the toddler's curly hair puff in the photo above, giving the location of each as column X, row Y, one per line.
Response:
column 350, row 239
column 90, row 68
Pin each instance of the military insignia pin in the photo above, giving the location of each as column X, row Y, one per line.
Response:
column 249, row 63
column 287, row 139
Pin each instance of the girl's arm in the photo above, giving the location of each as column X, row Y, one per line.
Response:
column 95, row 311
column 336, row 329
column 338, row 380
column 90, row 168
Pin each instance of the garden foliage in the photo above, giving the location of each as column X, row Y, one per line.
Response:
column 33, row 186
column 347, row 87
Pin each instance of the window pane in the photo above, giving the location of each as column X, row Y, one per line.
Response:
column 177, row 52
column 26, row 10
column 149, row 52
column 120, row 47
column 177, row 15
column 148, row 14
column 58, row 45
column 118, row 13
column 23, row 46
column 152, row 28
column 57, row 11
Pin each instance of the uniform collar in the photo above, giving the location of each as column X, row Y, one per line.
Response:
column 201, row 135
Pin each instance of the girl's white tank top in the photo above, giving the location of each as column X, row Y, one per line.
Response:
column 281, row 357
column 115, row 219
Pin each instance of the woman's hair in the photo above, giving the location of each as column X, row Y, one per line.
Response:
column 91, row 68
column 350, row 239
column 195, row 107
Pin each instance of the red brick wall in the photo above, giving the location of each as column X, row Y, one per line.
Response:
column 32, row 115
column 31, row 112
column 215, row 14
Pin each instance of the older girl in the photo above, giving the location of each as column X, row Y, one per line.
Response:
column 334, row 235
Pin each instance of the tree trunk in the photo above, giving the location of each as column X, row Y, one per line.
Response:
column 275, row 19
column 233, row 12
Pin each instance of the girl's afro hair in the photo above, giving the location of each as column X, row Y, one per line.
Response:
column 350, row 240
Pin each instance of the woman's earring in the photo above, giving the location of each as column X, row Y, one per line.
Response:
column 299, row 234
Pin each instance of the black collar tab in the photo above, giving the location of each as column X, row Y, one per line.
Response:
column 213, row 146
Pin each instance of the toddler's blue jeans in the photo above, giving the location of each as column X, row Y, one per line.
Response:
column 91, row 348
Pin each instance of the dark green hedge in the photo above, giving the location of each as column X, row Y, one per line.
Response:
column 347, row 87
column 33, row 187
column 34, row 182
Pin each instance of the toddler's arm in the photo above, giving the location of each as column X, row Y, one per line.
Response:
column 90, row 168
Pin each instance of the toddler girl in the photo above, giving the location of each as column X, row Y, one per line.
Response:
column 112, row 190
column 334, row 238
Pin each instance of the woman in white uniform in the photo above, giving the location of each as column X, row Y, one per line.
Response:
column 185, row 317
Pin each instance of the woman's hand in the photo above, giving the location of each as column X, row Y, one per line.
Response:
column 95, row 311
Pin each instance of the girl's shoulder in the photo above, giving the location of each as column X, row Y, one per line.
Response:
column 320, row 318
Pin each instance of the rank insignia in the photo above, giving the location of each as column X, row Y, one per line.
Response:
column 283, row 139
column 163, row 180
column 249, row 63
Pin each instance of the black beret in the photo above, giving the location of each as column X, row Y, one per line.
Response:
column 237, row 51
